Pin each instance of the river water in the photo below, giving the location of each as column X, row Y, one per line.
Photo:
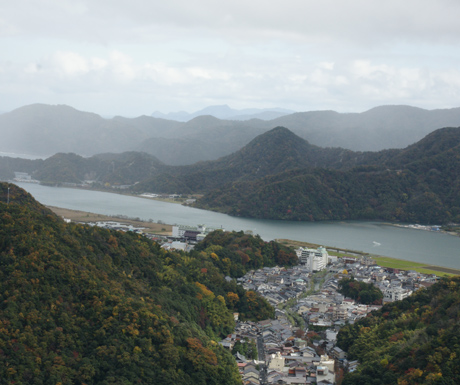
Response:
column 372, row 237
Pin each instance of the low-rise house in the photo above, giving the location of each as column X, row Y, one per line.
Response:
column 338, row 354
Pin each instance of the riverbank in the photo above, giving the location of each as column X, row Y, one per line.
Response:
column 452, row 229
column 395, row 263
column 164, row 229
column 161, row 197
column 85, row 217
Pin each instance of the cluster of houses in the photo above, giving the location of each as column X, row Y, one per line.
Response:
column 283, row 357
column 395, row 284
column 277, row 284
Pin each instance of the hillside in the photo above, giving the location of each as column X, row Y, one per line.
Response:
column 273, row 152
column 117, row 169
column 82, row 304
column 414, row 341
column 419, row 183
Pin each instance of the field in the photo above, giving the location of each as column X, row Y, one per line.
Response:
column 394, row 263
column 416, row 266
column 81, row 216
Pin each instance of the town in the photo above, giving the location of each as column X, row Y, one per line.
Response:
column 299, row 345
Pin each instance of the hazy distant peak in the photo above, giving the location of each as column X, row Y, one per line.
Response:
column 223, row 109
column 225, row 112
column 394, row 109
column 204, row 119
column 50, row 110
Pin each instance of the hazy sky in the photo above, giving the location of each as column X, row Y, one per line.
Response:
column 132, row 57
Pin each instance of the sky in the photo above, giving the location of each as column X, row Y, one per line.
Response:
column 134, row 57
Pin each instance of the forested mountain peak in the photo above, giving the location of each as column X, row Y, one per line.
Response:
column 415, row 184
column 275, row 147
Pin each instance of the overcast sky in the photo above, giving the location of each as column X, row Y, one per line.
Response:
column 132, row 57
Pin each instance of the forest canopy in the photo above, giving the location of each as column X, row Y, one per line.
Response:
column 81, row 304
column 413, row 341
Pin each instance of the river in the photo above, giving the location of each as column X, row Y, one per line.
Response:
column 372, row 237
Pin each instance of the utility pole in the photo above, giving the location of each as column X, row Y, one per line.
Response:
column 8, row 196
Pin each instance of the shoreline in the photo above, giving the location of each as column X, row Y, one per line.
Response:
column 165, row 229
column 414, row 226
column 180, row 201
column 381, row 260
column 87, row 217
column 425, row 228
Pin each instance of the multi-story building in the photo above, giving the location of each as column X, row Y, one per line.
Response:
column 314, row 259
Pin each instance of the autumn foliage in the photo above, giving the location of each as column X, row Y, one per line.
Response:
column 82, row 304
column 414, row 341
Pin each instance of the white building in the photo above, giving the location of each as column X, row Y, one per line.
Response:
column 314, row 259
column 325, row 370
column 392, row 294
column 178, row 231
column 276, row 362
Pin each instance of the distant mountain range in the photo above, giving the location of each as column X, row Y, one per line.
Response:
column 45, row 130
column 226, row 113
column 278, row 175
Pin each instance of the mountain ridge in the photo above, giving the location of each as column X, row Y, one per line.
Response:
column 44, row 130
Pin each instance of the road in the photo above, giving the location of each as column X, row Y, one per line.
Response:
column 261, row 352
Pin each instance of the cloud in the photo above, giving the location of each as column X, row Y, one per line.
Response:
column 301, row 54
column 364, row 21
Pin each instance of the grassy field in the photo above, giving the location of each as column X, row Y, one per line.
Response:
column 82, row 216
column 380, row 260
column 416, row 266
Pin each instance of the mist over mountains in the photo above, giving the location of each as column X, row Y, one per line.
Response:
column 225, row 112
column 45, row 130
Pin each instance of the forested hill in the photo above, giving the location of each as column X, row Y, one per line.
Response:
column 271, row 153
column 414, row 341
column 116, row 169
column 84, row 305
column 418, row 184
column 278, row 175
